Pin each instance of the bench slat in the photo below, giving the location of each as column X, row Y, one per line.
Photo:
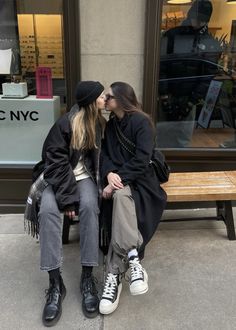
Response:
column 232, row 176
column 219, row 187
column 201, row 186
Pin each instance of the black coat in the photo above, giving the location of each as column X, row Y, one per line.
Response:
column 193, row 39
column 149, row 197
column 59, row 160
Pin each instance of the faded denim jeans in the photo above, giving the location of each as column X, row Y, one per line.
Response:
column 51, row 222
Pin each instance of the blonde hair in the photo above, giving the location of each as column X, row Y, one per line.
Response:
column 84, row 127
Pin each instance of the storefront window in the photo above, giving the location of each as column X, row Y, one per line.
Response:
column 31, row 36
column 9, row 40
column 41, row 43
column 197, row 103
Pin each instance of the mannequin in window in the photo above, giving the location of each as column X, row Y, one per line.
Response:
column 193, row 32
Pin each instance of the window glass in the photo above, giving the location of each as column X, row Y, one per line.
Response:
column 31, row 36
column 197, row 104
column 9, row 39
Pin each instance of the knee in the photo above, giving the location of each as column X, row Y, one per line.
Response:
column 120, row 195
column 49, row 217
column 48, row 204
column 43, row 214
column 89, row 205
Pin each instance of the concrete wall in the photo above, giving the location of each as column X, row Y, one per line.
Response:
column 112, row 41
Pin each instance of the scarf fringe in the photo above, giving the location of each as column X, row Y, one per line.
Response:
column 31, row 228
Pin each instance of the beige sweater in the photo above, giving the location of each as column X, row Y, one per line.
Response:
column 80, row 171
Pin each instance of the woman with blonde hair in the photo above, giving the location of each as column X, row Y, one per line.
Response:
column 70, row 167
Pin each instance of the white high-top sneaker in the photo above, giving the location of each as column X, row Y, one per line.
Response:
column 111, row 294
column 138, row 277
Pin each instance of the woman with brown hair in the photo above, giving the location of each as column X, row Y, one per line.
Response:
column 70, row 167
column 131, row 186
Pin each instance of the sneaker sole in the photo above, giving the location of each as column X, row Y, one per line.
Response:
column 108, row 309
column 135, row 291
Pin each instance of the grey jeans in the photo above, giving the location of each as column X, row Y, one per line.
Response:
column 50, row 226
column 124, row 234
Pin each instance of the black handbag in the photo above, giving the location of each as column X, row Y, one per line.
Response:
column 157, row 160
column 160, row 166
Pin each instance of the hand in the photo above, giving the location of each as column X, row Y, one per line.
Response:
column 114, row 180
column 70, row 214
column 107, row 192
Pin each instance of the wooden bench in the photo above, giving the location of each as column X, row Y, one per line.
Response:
column 219, row 187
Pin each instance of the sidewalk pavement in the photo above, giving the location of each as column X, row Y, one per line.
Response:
column 192, row 280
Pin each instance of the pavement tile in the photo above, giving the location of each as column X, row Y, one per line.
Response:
column 191, row 268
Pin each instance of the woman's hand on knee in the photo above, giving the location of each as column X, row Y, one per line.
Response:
column 107, row 192
column 114, row 180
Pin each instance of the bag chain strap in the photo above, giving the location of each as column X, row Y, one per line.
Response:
column 124, row 141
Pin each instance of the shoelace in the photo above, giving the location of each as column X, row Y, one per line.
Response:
column 89, row 285
column 52, row 294
column 136, row 270
column 110, row 286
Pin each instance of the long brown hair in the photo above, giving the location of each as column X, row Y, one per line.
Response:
column 84, row 127
column 126, row 98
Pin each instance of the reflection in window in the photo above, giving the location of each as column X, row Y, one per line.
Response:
column 197, row 105
column 9, row 40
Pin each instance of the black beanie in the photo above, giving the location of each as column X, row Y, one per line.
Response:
column 200, row 10
column 87, row 92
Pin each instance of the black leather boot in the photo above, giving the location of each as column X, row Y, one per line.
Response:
column 90, row 300
column 53, row 307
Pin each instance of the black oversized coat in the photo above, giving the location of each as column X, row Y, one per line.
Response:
column 59, row 160
column 149, row 197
